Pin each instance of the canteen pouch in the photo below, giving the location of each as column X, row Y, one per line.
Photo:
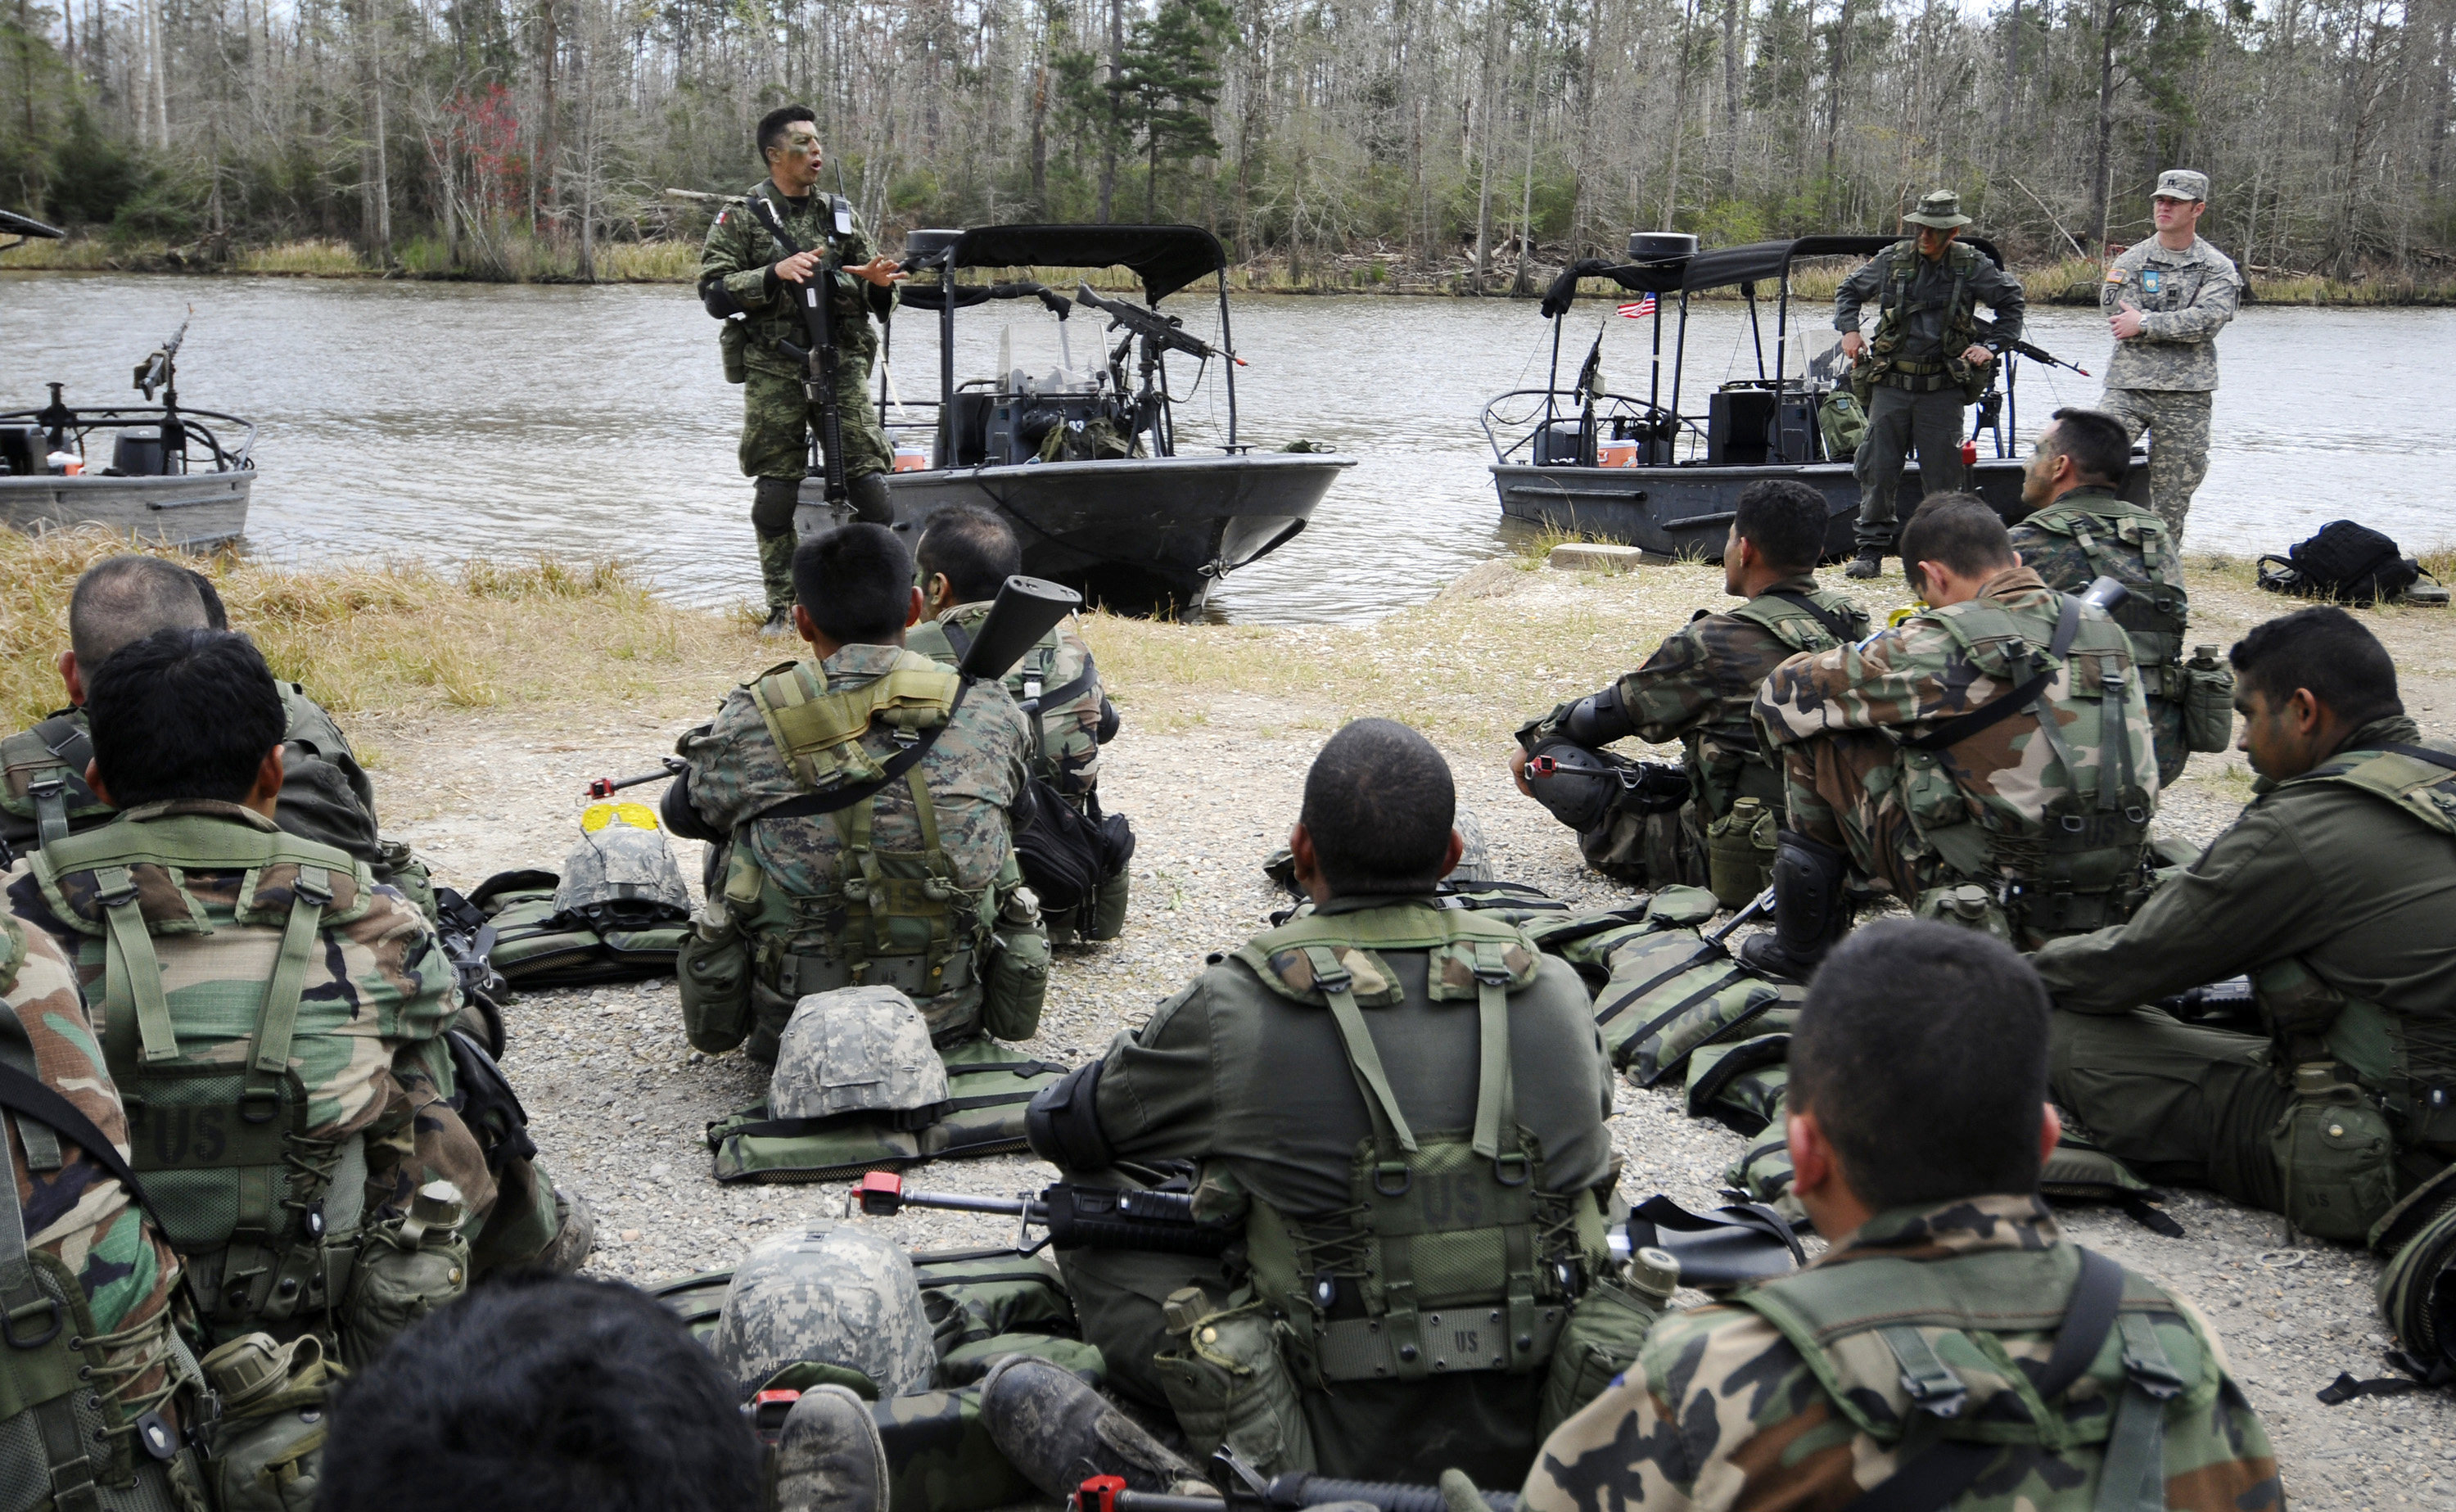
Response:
column 400, row 869
column 713, row 972
column 2335, row 1155
column 732, row 344
column 1605, row 1333
column 1967, row 905
column 1109, row 909
column 406, row 1268
column 1843, row 421
column 2208, row 703
column 1739, row 853
column 265, row 1452
column 1229, row 1384
column 1017, row 982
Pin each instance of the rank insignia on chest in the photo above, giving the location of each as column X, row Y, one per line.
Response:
column 2151, row 280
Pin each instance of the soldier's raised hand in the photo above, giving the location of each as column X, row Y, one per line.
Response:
column 884, row 271
column 2125, row 322
column 797, row 267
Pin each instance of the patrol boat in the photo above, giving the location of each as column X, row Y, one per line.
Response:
column 1082, row 455
column 174, row 475
column 1643, row 472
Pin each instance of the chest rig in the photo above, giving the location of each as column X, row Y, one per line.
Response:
column 886, row 917
column 265, row 1217
column 2138, row 551
column 1728, row 758
column 1451, row 1257
column 1898, row 306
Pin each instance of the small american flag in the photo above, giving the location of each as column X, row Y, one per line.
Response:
column 1639, row 310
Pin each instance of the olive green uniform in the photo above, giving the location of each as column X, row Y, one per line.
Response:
column 2340, row 902
column 1246, row 1071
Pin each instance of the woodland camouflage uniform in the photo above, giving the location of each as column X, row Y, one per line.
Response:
column 782, row 879
column 1973, row 814
column 1724, row 1409
column 2162, row 380
column 76, row 1216
column 2091, row 533
column 367, row 1048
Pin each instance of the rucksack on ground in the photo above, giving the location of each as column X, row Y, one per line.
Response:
column 2345, row 562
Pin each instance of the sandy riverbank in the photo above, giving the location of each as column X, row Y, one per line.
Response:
column 483, row 703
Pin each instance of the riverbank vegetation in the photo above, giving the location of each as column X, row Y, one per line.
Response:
column 1467, row 144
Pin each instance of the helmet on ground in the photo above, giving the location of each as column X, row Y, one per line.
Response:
column 832, row 1294
column 858, row 1050
column 1583, row 787
column 1475, row 857
column 623, row 873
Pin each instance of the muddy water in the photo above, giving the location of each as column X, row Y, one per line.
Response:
column 444, row 421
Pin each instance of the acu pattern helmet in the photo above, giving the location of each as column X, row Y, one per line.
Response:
column 858, row 1050
column 832, row 1295
column 623, row 873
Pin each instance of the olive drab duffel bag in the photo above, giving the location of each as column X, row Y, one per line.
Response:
column 618, row 910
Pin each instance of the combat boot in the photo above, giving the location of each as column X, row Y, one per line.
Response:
column 1059, row 1433
column 1808, row 910
column 829, row 1457
column 575, row 1234
column 1869, row 562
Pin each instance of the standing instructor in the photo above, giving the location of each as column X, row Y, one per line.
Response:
column 2165, row 300
column 1925, row 363
column 744, row 269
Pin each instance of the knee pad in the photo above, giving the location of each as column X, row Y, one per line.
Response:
column 868, row 496
column 771, row 505
column 1062, row 1126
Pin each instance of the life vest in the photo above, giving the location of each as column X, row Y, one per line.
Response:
column 2080, row 863
column 1730, row 763
column 1452, row 1256
column 1896, row 306
column 265, row 1218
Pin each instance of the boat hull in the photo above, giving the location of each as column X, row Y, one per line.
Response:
column 194, row 510
column 1686, row 511
column 1141, row 535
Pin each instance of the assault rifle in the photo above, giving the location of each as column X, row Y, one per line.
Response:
column 1988, row 338
column 1157, row 330
column 1078, row 1218
column 609, row 786
column 1247, row 1488
column 819, row 362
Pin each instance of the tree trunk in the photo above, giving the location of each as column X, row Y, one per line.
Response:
column 1522, row 282
column 1040, row 132
column 1484, row 150
column 1109, row 131
column 1838, row 66
column 1679, row 113
column 543, row 173
column 2102, row 165
column 1734, row 26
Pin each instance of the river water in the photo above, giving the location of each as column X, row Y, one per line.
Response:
column 449, row 421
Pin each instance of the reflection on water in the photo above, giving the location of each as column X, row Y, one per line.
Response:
column 444, row 421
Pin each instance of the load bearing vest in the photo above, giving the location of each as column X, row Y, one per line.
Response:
column 1452, row 1256
column 265, row 1217
column 1802, row 624
column 1960, row 319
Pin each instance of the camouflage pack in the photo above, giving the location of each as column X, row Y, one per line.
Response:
column 1673, row 992
column 988, row 1089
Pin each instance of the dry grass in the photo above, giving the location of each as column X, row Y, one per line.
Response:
column 546, row 632
column 647, row 262
column 310, row 259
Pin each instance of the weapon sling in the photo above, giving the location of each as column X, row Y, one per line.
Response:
column 812, row 805
column 1954, row 732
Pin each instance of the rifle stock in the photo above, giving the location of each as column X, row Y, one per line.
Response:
column 1025, row 611
column 1076, row 1217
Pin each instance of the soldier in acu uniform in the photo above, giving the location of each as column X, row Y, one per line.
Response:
column 2335, row 891
column 2166, row 300
column 275, row 1018
column 325, row 794
column 965, row 556
column 1878, row 1375
column 2078, row 530
column 1405, row 1104
column 743, row 269
column 1698, row 687
column 1925, row 362
column 861, row 808
column 1989, row 759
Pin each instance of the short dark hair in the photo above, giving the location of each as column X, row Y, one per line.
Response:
column 541, row 1393
column 127, row 597
column 2326, row 651
column 974, row 548
column 771, row 126
column 183, row 714
column 1379, row 804
column 216, row 617
column 1961, row 531
column 2095, row 440
column 1784, row 518
column 1922, row 1051
column 857, row 582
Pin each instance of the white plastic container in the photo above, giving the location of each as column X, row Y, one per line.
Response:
column 1616, row 453
column 65, row 464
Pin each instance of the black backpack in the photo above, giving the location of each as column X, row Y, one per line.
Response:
column 1066, row 853
column 2345, row 561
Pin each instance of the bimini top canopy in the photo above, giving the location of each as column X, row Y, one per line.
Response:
column 1165, row 258
column 13, row 224
column 1757, row 263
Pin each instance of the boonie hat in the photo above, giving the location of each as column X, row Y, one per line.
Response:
column 1941, row 209
column 2182, row 183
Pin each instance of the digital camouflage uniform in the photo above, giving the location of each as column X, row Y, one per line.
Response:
column 1251, row 1078
column 2341, row 905
column 778, row 419
column 2050, row 827
column 1916, row 402
column 325, row 794
column 1724, row 1410
column 377, row 995
column 77, row 1220
column 2162, row 380
column 781, row 880
column 2091, row 533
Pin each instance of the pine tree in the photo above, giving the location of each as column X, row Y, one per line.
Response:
column 1170, row 82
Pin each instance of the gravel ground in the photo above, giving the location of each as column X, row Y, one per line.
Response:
column 618, row 1100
